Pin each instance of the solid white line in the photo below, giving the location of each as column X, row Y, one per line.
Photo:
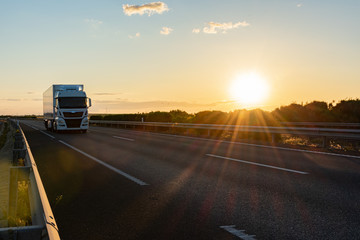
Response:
column 30, row 126
column 33, row 127
column 138, row 181
column 47, row 134
column 238, row 233
column 257, row 164
column 123, row 138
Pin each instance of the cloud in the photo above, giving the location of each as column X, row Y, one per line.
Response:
column 299, row 5
column 104, row 94
column 13, row 99
column 20, row 99
column 135, row 36
column 166, row 31
column 128, row 106
column 196, row 30
column 95, row 24
column 148, row 8
column 214, row 27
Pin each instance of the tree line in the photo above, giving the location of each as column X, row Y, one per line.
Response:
column 316, row 111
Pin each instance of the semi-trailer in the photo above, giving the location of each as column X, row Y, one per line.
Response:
column 66, row 108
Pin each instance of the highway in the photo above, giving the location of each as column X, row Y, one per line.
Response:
column 122, row 184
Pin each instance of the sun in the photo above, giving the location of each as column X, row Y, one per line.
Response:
column 249, row 89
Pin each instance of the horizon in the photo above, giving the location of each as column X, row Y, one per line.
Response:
column 333, row 103
column 143, row 56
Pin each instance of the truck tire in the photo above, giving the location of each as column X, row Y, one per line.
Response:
column 54, row 127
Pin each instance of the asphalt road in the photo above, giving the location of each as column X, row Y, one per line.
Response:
column 122, row 184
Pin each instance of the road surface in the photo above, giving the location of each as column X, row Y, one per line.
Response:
column 122, row 184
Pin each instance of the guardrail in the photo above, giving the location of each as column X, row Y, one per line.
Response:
column 322, row 124
column 43, row 222
column 325, row 132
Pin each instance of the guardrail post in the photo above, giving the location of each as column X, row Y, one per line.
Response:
column 19, row 152
column 325, row 142
column 18, row 144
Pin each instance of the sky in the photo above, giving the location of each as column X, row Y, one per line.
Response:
column 141, row 56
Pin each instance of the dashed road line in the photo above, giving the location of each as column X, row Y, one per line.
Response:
column 248, row 144
column 33, row 127
column 238, row 233
column 124, row 138
column 257, row 164
column 124, row 174
column 49, row 135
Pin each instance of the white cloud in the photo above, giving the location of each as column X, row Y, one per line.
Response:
column 95, row 24
column 148, row 8
column 196, row 30
column 214, row 27
column 166, row 31
column 299, row 5
column 135, row 36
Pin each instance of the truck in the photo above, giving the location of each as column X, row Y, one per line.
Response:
column 66, row 108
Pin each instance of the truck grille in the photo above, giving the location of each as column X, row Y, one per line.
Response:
column 73, row 114
column 73, row 123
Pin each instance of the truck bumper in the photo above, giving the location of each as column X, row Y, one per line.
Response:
column 73, row 124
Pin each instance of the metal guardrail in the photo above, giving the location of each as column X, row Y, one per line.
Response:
column 322, row 124
column 43, row 222
column 309, row 131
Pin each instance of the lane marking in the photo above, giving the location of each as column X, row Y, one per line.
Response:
column 30, row 126
column 238, row 233
column 124, row 174
column 33, row 127
column 49, row 135
column 245, row 144
column 257, row 164
column 123, row 138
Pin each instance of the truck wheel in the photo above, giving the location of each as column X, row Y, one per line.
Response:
column 49, row 125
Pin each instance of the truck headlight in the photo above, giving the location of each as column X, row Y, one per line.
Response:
column 61, row 121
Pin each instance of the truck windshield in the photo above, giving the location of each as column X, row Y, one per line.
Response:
column 72, row 102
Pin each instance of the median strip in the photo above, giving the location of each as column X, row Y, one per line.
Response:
column 257, row 164
column 138, row 181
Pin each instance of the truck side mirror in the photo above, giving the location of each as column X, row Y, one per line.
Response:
column 89, row 102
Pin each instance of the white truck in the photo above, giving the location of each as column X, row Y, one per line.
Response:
column 66, row 108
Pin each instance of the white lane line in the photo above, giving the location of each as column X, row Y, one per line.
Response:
column 238, row 233
column 134, row 179
column 33, row 127
column 257, row 164
column 47, row 134
column 248, row 144
column 123, row 138
column 30, row 126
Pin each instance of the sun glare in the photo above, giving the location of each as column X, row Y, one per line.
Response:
column 250, row 88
